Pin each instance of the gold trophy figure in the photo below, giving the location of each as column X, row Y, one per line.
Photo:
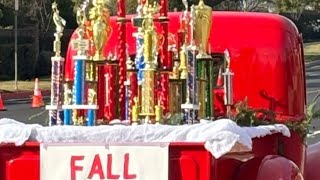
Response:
column 60, row 24
column 158, row 113
column 92, row 94
column 203, row 21
column 228, row 84
column 183, row 51
column 99, row 17
column 175, row 71
column 183, row 63
column 81, row 44
column 135, row 112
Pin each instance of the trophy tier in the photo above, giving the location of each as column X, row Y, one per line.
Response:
column 204, row 58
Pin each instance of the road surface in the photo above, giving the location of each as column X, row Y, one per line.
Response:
column 21, row 110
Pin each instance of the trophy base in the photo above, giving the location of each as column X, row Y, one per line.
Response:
column 98, row 57
column 146, row 118
column 203, row 56
column 190, row 106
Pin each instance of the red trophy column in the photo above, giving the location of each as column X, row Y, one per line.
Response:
column 165, row 62
column 101, row 92
column 121, row 51
column 111, row 96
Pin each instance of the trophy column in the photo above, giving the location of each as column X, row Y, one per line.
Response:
column 203, row 14
column 91, row 82
column 188, row 72
column 67, row 101
column 165, row 62
column 112, row 94
column 148, row 85
column 55, row 109
column 150, row 38
column 131, row 88
column 121, row 12
column 139, row 66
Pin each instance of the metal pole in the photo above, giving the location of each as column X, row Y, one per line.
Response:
column 15, row 45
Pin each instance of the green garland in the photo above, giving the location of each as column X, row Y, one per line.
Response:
column 246, row 116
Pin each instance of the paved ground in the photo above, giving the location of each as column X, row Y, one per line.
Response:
column 21, row 110
column 313, row 88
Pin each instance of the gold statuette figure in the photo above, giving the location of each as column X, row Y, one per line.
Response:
column 183, row 63
column 99, row 17
column 175, row 72
column 135, row 111
column 81, row 44
column 158, row 113
column 203, row 21
column 150, row 36
column 60, row 24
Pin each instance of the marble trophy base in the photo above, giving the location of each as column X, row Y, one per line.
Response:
column 190, row 113
column 190, row 106
column 54, row 107
column 80, row 107
column 146, row 118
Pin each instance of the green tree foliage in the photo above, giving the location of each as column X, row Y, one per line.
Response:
column 295, row 7
column 33, row 12
column 243, row 5
column 27, row 13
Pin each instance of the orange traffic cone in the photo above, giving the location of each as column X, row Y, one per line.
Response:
column 37, row 99
column 220, row 78
column 2, row 108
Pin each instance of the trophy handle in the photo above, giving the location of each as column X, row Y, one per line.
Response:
column 109, row 32
column 160, row 40
column 172, row 38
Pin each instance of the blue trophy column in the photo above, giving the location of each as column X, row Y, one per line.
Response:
column 79, row 77
column 91, row 117
column 78, row 86
column 139, row 57
column 67, row 117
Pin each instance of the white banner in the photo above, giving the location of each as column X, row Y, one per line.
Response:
column 89, row 161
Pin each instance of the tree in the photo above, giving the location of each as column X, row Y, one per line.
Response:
column 241, row 5
column 27, row 13
column 254, row 5
column 295, row 8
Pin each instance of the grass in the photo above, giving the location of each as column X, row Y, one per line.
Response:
column 312, row 51
column 9, row 86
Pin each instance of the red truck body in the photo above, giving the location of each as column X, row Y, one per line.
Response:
column 267, row 59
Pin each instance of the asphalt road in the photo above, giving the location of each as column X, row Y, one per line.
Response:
column 20, row 110
column 313, row 88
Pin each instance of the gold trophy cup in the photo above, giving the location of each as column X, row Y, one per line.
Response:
column 99, row 18
column 203, row 23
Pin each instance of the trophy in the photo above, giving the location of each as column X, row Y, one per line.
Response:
column 55, row 111
column 158, row 113
column 135, row 112
column 99, row 17
column 203, row 21
column 228, row 84
column 60, row 24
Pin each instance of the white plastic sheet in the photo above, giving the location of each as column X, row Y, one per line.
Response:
column 220, row 137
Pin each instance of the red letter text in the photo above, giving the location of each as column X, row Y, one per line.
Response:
column 126, row 174
column 74, row 167
column 109, row 169
column 96, row 168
